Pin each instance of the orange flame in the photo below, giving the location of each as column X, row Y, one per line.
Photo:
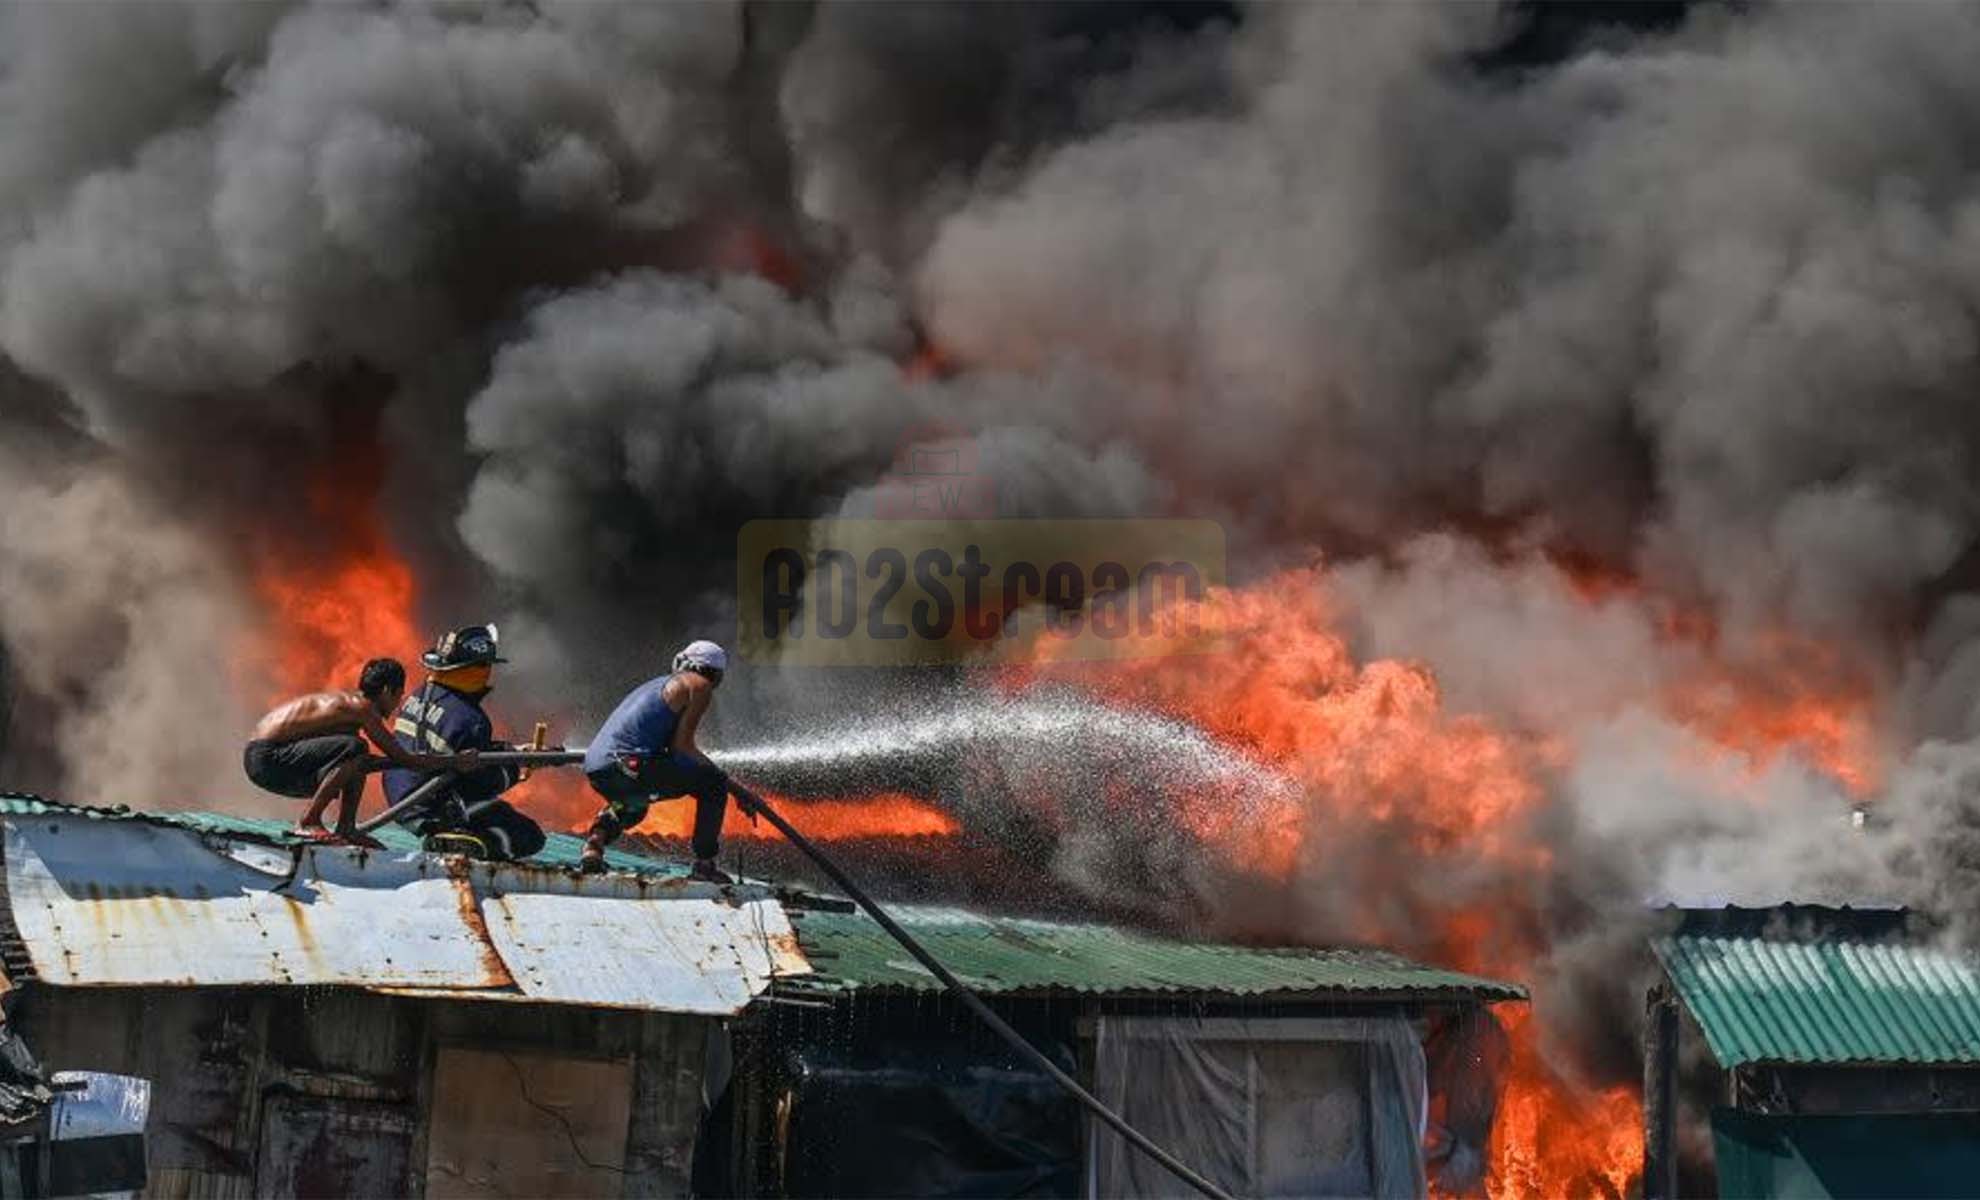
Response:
column 879, row 814
column 1799, row 700
column 1554, row 1137
column 327, row 609
column 1373, row 749
column 1781, row 694
column 1377, row 756
column 326, row 620
column 561, row 799
column 930, row 361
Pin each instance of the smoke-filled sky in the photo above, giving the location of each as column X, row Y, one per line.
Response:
column 1690, row 305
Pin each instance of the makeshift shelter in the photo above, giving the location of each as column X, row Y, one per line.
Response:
column 313, row 1020
column 1292, row 1072
column 1848, row 1047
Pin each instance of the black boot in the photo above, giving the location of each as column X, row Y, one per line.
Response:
column 592, row 861
column 705, row 871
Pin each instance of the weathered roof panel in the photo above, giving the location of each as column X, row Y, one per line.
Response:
column 703, row 958
column 1011, row 955
column 1812, row 999
column 105, row 898
column 130, row 903
column 560, row 850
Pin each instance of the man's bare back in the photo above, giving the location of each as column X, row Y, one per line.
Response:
column 312, row 715
column 320, row 745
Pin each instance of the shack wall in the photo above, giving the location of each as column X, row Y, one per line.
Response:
column 777, row 1150
column 331, row 1091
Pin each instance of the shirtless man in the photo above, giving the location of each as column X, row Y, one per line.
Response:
column 314, row 747
column 646, row 751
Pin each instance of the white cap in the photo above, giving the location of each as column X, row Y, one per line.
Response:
column 702, row 654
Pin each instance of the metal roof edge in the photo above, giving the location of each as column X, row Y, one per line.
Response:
column 1060, row 960
column 1802, row 998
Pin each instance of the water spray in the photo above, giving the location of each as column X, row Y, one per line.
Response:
column 754, row 805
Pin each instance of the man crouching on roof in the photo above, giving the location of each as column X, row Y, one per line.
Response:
column 445, row 716
column 313, row 748
column 646, row 752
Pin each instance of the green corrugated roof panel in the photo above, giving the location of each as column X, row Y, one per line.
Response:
column 560, row 849
column 1826, row 1000
column 1003, row 954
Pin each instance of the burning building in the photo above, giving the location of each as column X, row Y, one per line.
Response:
column 1587, row 410
column 316, row 1021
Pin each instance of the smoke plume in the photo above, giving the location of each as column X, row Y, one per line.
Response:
column 1600, row 387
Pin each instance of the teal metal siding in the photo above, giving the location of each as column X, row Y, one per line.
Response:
column 1826, row 1000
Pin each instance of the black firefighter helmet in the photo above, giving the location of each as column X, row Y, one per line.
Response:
column 468, row 646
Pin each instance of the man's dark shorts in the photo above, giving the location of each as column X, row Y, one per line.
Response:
column 296, row 768
column 627, row 796
column 660, row 777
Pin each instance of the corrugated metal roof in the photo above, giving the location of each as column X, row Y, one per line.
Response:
column 105, row 897
column 572, row 945
column 1002, row 954
column 119, row 903
column 560, row 850
column 557, row 943
column 1814, row 999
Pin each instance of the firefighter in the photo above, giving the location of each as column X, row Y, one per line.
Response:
column 445, row 717
column 646, row 751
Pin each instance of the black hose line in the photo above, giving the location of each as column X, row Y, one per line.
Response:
column 973, row 1002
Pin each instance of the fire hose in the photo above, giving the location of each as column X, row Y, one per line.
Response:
column 484, row 758
column 753, row 804
column 974, row 1003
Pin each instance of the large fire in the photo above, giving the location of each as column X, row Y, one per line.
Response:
column 1372, row 746
column 1381, row 761
column 338, row 593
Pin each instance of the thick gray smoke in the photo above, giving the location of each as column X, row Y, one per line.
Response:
column 592, row 284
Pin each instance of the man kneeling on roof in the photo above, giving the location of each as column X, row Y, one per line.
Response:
column 313, row 747
column 445, row 716
column 646, row 752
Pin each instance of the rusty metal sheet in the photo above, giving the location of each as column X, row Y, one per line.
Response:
column 132, row 902
column 128, row 903
column 620, row 942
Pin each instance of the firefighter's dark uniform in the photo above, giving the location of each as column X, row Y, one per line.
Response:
column 439, row 720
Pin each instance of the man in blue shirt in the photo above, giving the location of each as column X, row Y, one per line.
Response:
column 646, row 752
column 446, row 712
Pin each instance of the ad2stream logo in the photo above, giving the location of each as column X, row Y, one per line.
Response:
column 937, row 577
